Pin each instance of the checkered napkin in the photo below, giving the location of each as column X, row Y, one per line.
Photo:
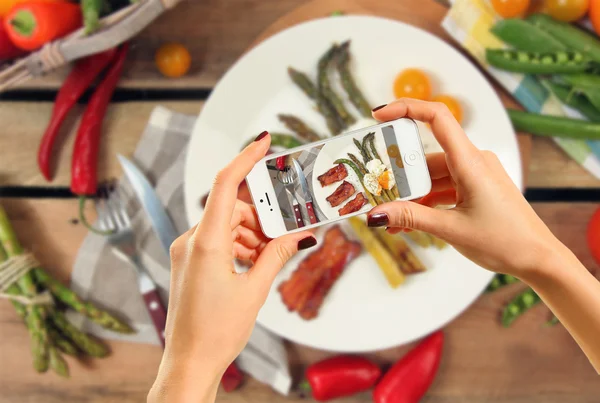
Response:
column 469, row 22
column 307, row 160
column 102, row 276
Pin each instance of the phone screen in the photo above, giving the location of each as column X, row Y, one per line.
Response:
column 342, row 176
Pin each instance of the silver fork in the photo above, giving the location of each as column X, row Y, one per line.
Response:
column 112, row 216
column 287, row 178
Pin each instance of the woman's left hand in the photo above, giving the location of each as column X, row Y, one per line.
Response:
column 212, row 309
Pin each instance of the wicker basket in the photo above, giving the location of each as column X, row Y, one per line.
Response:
column 114, row 30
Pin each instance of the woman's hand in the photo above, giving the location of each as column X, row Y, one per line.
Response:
column 492, row 223
column 212, row 309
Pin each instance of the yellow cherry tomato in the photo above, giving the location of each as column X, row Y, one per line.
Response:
column 393, row 151
column 173, row 60
column 510, row 8
column 412, row 83
column 452, row 104
column 567, row 10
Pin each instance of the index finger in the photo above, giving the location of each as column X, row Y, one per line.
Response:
column 223, row 196
column 445, row 128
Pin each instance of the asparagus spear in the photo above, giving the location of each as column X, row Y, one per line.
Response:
column 296, row 125
column 359, row 164
column 85, row 343
column 61, row 343
column 370, row 197
column 518, row 306
column 26, row 285
column 409, row 263
column 281, row 140
column 57, row 362
column 365, row 147
column 420, row 238
column 70, row 298
column 325, row 86
column 384, row 259
column 363, row 152
column 356, row 96
column 323, row 106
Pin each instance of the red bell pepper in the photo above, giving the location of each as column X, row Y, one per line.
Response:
column 408, row 380
column 8, row 50
column 344, row 375
column 232, row 378
column 32, row 24
column 83, row 74
column 84, row 180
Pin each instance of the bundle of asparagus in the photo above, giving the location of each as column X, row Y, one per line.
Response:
column 330, row 104
column 51, row 333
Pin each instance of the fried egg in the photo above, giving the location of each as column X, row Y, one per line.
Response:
column 372, row 184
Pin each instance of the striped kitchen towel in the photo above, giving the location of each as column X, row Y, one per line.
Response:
column 469, row 23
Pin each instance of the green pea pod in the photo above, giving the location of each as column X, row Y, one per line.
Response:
column 519, row 305
column 545, row 125
column 501, row 280
column 573, row 38
column 587, row 84
column 575, row 101
column 523, row 35
column 537, row 63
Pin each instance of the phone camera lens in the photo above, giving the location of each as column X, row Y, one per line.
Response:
column 261, row 200
column 271, row 209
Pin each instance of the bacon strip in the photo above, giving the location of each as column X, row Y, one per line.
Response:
column 335, row 174
column 310, row 283
column 354, row 205
column 341, row 194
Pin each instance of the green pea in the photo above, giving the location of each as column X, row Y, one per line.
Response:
column 522, row 57
column 513, row 308
column 528, row 300
column 577, row 57
column 547, row 60
column 562, row 57
column 508, row 279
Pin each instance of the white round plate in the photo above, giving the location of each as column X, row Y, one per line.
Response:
column 361, row 313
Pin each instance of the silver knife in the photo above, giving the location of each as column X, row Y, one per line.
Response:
column 305, row 190
column 161, row 223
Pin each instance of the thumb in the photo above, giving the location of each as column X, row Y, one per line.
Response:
column 277, row 252
column 406, row 214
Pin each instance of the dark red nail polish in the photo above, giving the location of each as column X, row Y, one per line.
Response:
column 378, row 107
column 261, row 136
column 203, row 200
column 306, row 243
column 378, row 220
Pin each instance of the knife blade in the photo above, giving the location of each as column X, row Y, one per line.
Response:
column 305, row 190
column 161, row 223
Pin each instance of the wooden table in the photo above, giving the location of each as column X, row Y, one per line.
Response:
column 482, row 361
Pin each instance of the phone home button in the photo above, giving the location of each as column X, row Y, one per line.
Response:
column 412, row 157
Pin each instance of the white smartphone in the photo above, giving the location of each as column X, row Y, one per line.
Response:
column 340, row 177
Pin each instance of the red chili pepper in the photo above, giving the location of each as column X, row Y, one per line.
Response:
column 232, row 378
column 79, row 79
column 340, row 376
column 32, row 24
column 8, row 50
column 408, row 380
column 84, row 180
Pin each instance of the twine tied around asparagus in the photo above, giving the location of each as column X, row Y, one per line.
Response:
column 12, row 270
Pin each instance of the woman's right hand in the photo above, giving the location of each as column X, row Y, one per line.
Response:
column 492, row 223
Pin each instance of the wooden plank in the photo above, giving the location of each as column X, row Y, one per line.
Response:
column 24, row 124
column 482, row 361
column 551, row 167
column 216, row 32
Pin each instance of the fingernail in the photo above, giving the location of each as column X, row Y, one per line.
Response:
column 378, row 220
column 261, row 136
column 306, row 243
column 378, row 108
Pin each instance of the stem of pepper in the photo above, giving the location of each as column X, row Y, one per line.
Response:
column 86, row 223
